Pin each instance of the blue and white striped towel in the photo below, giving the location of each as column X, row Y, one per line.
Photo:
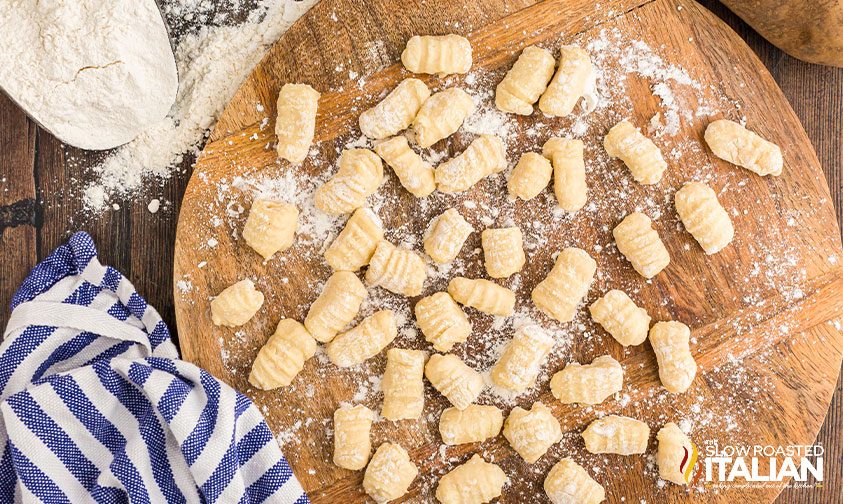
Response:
column 97, row 407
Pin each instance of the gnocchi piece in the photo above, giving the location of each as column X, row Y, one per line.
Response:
column 485, row 156
column 396, row 112
column 413, row 172
column 296, row 122
column 283, row 356
column 363, row 341
column 503, row 251
column 732, row 142
column 390, row 473
column 569, row 183
column 525, row 82
column 357, row 241
column 639, row 153
column 703, row 217
column 359, row 175
column 567, row 284
column 640, row 244
column 530, row 176
column 336, row 306
column 532, row 433
column 437, row 54
column 475, row 482
column 675, row 456
column 446, row 235
column 403, row 384
column 352, row 445
column 671, row 343
column 568, row 483
column 237, row 304
column 454, row 379
column 482, row 295
column 621, row 317
column 474, row 424
column 616, row 434
column 442, row 321
column 572, row 80
column 270, row 227
column 441, row 116
column 590, row 384
column 397, row 270
column 522, row 359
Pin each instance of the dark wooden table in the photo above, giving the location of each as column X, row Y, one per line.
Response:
column 40, row 182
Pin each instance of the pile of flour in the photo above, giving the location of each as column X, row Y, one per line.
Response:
column 94, row 73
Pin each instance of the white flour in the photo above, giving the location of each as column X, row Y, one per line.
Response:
column 94, row 73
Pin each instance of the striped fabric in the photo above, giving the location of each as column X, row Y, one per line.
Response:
column 97, row 407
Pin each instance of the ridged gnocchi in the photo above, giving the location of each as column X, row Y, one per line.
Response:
column 674, row 447
column 703, row 217
column 640, row 244
column 397, row 270
column 237, row 304
column 389, row 474
column 359, row 175
column 441, row 116
column 588, row 384
column 403, row 384
column 270, row 227
column 621, row 317
column 616, row 434
column 571, row 82
column 363, row 341
column 296, row 122
column 454, row 379
column 567, row 284
column 568, row 483
column 442, row 321
column 336, row 306
column 531, row 433
column 525, row 82
column 482, row 295
column 283, row 356
column 446, row 236
column 354, row 246
column 352, row 445
column 396, row 111
column 671, row 343
column 639, row 153
column 530, row 176
column 475, row 482
column 474, row 424
column 522, row 359
column 414, row 173
column 485, row 156
column 569, row 184
column 503, row 251
column 437, row 54
column 734, row 143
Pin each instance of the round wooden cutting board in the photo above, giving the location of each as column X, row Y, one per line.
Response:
column 766, row 312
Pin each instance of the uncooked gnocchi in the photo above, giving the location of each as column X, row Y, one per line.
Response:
column 567, row 284
column 237, row 304
column 363, row 341
column 359, row 175
column 530, row 176
column 474, row 424
column 296, row 122
column 568, row 483
column 675, row 448
column 403, row 384
column 616, row 434
column 475, row 482
column 532, row 433
column 485, row 156
column 270, row 227
column 703, row 217
column 389, row 474
column 397, row 270
column 621, row 317
column 671, row 343
column 336, row 306
column 639, row 153
column 356, row 243
column 482, row 295
column 446, row 235
column 732, row 142
column 503, row 251
column 569, row 183
column 454, row 379
column 590, row 384
column 396, row 111
column 525, row 82
column 283, row 356
column 437, row 54
column 441, row 116
column 572, row 80
column 352, row 445
column 522, row 359
column 442, row 321
column 413, row 172
column 640, row 244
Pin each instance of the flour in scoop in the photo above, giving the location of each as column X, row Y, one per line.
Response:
column 94, row 73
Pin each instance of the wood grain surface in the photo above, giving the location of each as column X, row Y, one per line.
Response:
column 40, row 207
column 781, row 330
